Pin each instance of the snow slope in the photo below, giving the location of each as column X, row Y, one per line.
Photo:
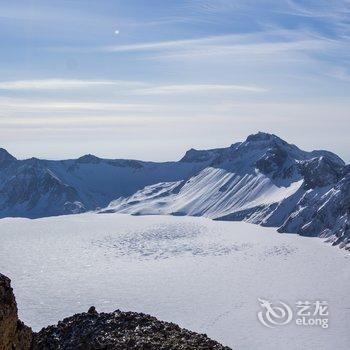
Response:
column 202, row 274
column 212, row 193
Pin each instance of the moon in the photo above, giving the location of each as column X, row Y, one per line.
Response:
column 116, row 32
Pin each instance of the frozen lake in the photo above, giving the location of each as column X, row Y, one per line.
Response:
column 204, row 275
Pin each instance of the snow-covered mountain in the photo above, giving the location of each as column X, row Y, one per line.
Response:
column 36, row 188
column 263, row 180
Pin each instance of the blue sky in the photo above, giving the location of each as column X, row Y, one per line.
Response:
column 149, row 79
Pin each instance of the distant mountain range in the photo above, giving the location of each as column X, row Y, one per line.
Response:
column 263, row 180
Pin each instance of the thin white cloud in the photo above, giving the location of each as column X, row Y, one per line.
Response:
column 15, row 104
column 198, row 88
column 249, row 52
column 275, row 39
column 160, row 45
column 81, row 121
column 128, row 87
column 128, row 23
column 340, row 73
column 336, row 9
column 259, row 43
column 216, row 6
column 323, row 9
column 63, row 84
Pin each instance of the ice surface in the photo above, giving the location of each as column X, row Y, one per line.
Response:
column 204, row 275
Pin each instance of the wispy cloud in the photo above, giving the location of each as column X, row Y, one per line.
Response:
column 128, row 88
column 216, row 6
column 339, row 9
column 63, row 84
column 334, row 15
column 340, row 73
column 198, row 88
column 141, row 46
column 258, row 43
column 17, row 104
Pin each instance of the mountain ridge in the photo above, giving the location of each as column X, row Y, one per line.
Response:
column 262, row 180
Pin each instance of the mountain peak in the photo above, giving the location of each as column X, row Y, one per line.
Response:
column 262, row 136
column 88, row 158
column 5, row 157
column 194, row 155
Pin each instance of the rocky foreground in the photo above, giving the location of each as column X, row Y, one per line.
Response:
column 13, row 333
column 93, row 330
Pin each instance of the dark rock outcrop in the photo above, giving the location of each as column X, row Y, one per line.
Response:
column 92, row 330
column 323, row 212
column 13, row 333
column 120, row 330
column 272, row 160
column 320, row 172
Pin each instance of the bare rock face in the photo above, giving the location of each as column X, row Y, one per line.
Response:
column 320, row 172
column 13, row 333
